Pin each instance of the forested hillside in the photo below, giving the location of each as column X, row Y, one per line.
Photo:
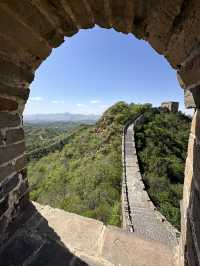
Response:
column 162, row 146
column 39, row 135
column 85, row 177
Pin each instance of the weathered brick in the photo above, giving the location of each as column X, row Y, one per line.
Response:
column 191, row 252
column 44, row 257
column 6, row 171
column 195, row 214
column 190, row 72
column 83, row 17
column 10, row 169
column 7, row 105
column 196, row 163
column 41, row 24
column 24, row 173
column 22, row 93
column 1, row 138
column 20, row 163
column 9, row 120
column 59, row 16
column 122, row 15
column 189, row 99
column 2, row 194
column 188, row 173
column 196, row 96
column 10, row 71
column 3, row 224
column 20, row 249
column 10, row 152
column 23, row 189
column 10, row 184
column 159, row 22
column 24, row 37
column 22, row 203
column 14, row 135
column 101, row 13
column 3, row 206
column 185, row 33
column 195, row 127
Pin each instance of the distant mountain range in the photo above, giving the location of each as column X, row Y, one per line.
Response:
column 63, row 117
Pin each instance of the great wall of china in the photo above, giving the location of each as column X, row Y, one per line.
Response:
column 30, row 30
column 139, row 213
column 51, row 235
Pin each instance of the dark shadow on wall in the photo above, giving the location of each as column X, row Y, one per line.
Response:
column 35, row 243
column 192, row 247
column 192, row 229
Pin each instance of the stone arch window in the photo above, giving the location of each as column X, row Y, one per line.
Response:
column 29, row 30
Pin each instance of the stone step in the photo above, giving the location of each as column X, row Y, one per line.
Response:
column 138, row 209
column 152, row 228
column 146, row 220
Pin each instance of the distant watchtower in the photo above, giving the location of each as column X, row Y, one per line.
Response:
column 170, row 106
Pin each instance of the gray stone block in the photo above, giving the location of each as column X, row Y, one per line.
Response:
column 10, row 152
column 9, row 120
column 6, row 171
column 14, row 135
column 78, row 232
column 7, row 104
column 189, row 99
column 10, row 184
column 22, row 93
column 121, row 248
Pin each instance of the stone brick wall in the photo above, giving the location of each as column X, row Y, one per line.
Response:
column 138, row 211
column 190, row 215
column 13, row 181
column 29, row 30
column 190, row 205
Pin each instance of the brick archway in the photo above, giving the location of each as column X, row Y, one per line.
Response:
column 29, row 30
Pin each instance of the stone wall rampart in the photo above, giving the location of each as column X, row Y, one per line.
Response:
column 139, row 213
column 29, row 30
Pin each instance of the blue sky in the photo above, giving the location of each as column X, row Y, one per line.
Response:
column 98, row 67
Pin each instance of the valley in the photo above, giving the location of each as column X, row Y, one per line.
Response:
column 84, row 176
column 39, row 135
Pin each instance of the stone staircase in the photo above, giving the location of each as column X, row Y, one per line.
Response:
column 53, row 237
column 146, row 220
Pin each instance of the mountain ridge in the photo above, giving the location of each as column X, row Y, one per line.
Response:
column 58, row 117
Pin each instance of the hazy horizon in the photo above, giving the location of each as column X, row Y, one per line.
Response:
column 76, row 113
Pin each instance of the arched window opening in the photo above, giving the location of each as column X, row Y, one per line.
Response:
column 81, row 99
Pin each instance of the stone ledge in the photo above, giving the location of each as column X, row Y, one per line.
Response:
column 97, row 244
column 122, row 248
column 77, row 232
